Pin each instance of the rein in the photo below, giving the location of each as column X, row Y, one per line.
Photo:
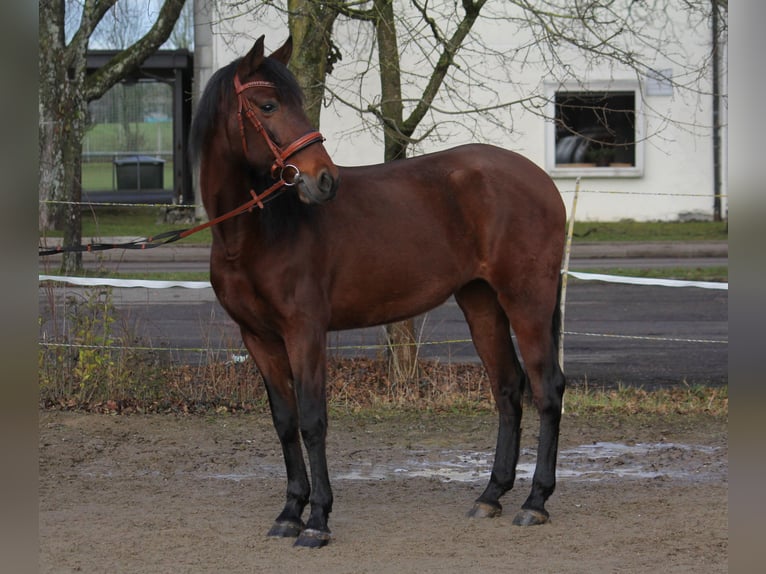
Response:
column 280, row 165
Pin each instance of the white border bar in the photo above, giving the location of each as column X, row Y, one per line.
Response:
column 648, row 281
column 105, row 281
column 150, row 284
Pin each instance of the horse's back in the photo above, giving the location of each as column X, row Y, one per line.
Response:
column 470, row 188
column 470, row 169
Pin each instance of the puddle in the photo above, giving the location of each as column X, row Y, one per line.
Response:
column 596, row 461
column 591, row 462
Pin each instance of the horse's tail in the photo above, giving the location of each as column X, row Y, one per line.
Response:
column 556, row 322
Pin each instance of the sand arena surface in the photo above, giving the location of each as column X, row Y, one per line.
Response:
column 162, row 493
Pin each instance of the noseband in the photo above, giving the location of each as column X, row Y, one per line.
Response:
column 281, row 156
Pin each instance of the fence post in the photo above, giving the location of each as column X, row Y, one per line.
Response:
column 565, row 269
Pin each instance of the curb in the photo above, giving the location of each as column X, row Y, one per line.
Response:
column 659, row 250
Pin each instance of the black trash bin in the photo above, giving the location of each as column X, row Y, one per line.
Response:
column 137, row 172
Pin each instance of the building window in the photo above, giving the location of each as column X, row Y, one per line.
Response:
column 595, row 132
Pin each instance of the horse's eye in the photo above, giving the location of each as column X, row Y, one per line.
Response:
column 268, row 108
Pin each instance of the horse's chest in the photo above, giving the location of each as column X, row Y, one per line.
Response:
column 246, row 303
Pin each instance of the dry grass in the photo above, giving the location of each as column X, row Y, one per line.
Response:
column 362, row 385
column 683, row 399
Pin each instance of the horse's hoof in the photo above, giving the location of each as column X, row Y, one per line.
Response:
column 286, row 529
column 312, row 538
column 527, row 517
column 485, row 510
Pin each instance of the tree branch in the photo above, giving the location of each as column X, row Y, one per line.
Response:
column 131, row 57
column 93, row 12
column 446, row 60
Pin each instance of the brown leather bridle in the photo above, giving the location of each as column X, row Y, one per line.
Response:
column 281, row 156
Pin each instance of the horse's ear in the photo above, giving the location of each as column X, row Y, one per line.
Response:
column 283, row 54
column 252, row 60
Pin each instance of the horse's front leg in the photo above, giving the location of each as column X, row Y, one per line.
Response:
column 307, row 353
column 271, row 358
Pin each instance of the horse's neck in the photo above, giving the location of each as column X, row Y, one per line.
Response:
column 224, row 190
column 224, row 182
column 227, row 187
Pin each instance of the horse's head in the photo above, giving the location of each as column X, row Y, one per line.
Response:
column 273, row 129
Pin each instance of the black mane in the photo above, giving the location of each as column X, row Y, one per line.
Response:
column 283, row 214
column 207, row 115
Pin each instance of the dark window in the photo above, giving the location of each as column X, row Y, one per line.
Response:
column 595, row 129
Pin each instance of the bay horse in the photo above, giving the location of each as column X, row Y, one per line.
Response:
column 478, row 222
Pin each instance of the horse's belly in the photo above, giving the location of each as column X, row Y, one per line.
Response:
column 368, row 305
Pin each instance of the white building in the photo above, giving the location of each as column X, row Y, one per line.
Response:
column 657, row 122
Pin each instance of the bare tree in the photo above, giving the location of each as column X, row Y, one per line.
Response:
column 450, row 82
column 398, row 130
column 552, row 36
column 182, row 36
column 311, row 27
column 611, row 33
column 64, row 92
column 119, row 27
column 555, row 37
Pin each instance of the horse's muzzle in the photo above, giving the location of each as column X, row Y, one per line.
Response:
column 316, row 190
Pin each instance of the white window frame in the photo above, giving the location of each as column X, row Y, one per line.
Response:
column 551, row 90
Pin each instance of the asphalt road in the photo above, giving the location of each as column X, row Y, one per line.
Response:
column 614, row 334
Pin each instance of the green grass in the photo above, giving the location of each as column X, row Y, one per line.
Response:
column 627, row 230
column 684, row 400
column 150, row 137
column 131, row 221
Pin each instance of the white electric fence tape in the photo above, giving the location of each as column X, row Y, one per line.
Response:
column 153, row 284
column 107, row 282
column 648, row 281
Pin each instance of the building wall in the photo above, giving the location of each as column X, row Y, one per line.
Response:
column 676, row 176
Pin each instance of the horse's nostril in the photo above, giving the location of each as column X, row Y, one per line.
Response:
column 326, row 182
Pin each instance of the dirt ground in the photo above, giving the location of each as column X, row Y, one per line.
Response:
column 197, row 494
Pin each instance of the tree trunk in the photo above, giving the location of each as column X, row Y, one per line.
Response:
column 64, row 92
column 311, row 28
column 71, row 261
column 51, row 128
column 402, row 344
column 61, row 127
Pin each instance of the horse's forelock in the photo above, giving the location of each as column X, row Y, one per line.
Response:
column 287, row 86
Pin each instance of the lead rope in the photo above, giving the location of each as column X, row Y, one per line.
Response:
column 169, row 236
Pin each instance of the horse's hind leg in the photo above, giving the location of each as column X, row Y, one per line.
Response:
column 535, row 322
column 492, row 338
column 271, row 359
